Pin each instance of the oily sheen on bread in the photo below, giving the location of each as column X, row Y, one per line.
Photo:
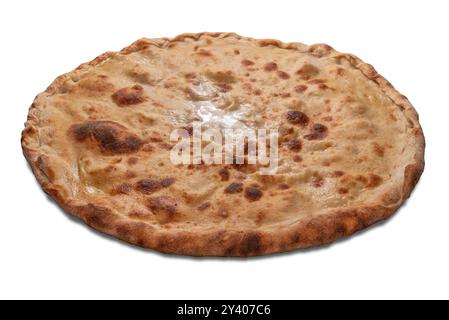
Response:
column 351, row 148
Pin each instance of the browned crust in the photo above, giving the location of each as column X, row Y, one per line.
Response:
column 318, row 230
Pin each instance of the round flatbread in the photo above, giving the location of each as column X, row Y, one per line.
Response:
column 350, row 147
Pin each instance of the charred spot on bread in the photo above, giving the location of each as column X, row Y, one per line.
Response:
column 294, row 145
column 93, row 86
column 251, row 243
column 297, row 118
column 270, row 66
column 308, row 71
column 129, row 96
column 318, row 132
column 204, row 53
column 234, row 187
column 111, row 137
column 374, row 181
column 224, row 174
column 301, row 88
column 163, row 205
column 149, row 186
column 283, row 75
column 204, row 206
column 247, row 62
column 124, row 188
column 253, row 194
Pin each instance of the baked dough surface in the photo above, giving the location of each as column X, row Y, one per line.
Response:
column 350, row 148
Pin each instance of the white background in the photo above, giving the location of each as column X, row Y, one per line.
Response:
column 45, row 254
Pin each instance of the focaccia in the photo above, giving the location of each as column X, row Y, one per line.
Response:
column 350, row 147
